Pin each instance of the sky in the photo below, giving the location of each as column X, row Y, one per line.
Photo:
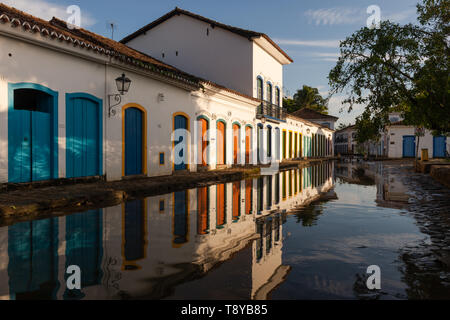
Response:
column 308, row 30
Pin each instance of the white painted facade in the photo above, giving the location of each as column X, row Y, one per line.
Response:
column 394, row 141
column 66, row 66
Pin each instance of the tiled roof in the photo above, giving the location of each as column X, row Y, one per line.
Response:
column 307, row 113
column 348, row 127
column 313, row 124
column 177, row 11
column 57, row 29
column 398, row 123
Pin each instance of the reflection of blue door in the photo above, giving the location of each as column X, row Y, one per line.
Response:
column 84, row 245
column 133, row 141
column 33, row 259
column 180, row 122
column 409, row 146
column 439, row 144
column 83, row 134
column 134, row 245
column 180, row 223
column 32, row 135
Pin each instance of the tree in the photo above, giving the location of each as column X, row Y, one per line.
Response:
column 307, row 97
column 400, row 65
column 367, row 129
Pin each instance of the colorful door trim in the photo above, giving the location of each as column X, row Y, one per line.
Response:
column 53, row 143
column 144, row 136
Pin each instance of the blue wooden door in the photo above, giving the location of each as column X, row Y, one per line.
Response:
column 439, row 144
column 133, row 141
column 33, row 259
column 83, row 155
column 180, row 122
column 134, row 231
column 180, row 216
column 30, row 138
column 84, row 234
column 409, row 146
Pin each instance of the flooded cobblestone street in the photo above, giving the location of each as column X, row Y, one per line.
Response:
column 306, row 233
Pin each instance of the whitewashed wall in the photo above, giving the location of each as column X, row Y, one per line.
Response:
column 269, row 69
column 65, row 73
column 221, row 56
column 395, row 144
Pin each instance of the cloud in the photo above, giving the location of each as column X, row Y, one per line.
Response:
column 47, row 10
column 326, row 56
column 336, row 16
column 402, row 16
column 347, row 15
column 309, row 43
column 336, row 108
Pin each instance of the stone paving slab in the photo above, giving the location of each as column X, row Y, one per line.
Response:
column 32, row 200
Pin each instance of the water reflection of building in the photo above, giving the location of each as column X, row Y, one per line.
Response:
column 391, row 192
column 145, row 248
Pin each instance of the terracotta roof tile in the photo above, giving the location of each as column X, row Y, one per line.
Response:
column 307, row 113
column 57, row 28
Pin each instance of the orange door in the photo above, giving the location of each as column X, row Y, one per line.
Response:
column 220, row 142
column 202, row 218
column 236, row 135
column 248, row 141
column 248, row 196
column 221, row 218
column 236, row 200
column 203, row 142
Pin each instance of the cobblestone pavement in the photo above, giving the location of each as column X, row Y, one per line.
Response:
column 426, row 266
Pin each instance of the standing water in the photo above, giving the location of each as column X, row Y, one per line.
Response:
column 305, row 233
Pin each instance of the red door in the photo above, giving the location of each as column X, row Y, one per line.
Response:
column 203, row 142
column 236, row 135
column 248, row 196
column 236, row 200
column 221, row 217
column 248, row 144
column 202, row 219
column 220, row 142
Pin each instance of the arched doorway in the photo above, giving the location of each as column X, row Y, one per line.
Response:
column 259, row 142
column 181, row 121
column 221, row 142
column 202, row 210
column 221, row 198
column 277, row 143
column 269, row 142
column 180, row 218
column 83, row 135
column 248, row 144
column 236, row 143
column 134, row 140
column 203, row 141
column 32, row 133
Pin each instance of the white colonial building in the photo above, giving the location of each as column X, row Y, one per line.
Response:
column 62, row 116
column 399, row 141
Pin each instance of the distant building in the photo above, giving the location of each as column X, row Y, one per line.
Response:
column 345, row 141
column 397, row 140
column 316, row 117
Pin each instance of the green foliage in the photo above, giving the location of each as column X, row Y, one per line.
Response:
column 400, row 66
column 368, row 127
column 307, row 97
